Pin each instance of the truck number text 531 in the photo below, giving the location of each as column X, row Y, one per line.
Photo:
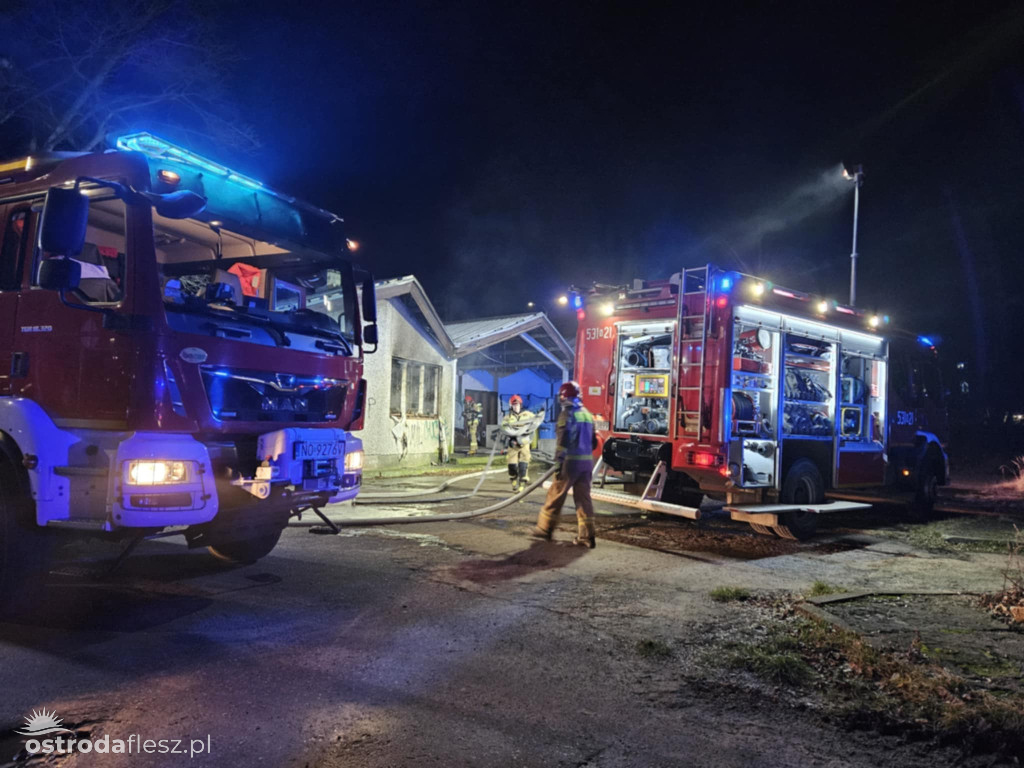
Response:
column 598, row 333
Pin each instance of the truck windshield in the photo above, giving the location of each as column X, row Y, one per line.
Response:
column 275, row 294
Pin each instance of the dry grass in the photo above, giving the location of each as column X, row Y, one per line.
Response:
column 1013, row 472
column 822, row 588
column 1009, row 603
column 653, row 649
column 908, row 690
column 775, row 659
column 893, row 692
column 729, row 594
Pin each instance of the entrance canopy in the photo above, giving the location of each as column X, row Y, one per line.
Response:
column 503, row 345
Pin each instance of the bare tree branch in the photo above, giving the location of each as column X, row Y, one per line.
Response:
column 80, row 71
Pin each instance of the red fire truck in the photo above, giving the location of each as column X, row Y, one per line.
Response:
column 780, row 403
column 182, row 352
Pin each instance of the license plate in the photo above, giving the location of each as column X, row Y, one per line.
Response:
column 318, row 450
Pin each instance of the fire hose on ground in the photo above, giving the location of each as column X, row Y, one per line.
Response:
column 414, row 496
column 334, row 525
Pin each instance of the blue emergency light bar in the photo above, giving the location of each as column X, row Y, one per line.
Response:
column 233, row 196
column 161, row 149
column 154, row 146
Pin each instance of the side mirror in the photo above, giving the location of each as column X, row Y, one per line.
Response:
column 59, row 274
column 370, row 336
column 183, row 204
column 369, row 301
column 65, row 215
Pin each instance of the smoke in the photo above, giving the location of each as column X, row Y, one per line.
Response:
column 808, row 199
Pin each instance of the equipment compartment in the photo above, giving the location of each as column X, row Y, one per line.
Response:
column 808, row 400
column 643, row 381
column 754, row 398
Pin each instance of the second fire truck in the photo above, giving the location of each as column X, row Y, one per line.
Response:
column 778, row 402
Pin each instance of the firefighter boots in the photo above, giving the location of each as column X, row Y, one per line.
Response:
column 539, row 533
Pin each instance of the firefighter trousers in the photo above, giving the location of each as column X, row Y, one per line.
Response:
column 519, row 465
column 579, row 483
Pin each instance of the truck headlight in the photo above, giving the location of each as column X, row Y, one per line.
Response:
column 353, row 461
column 158, row 472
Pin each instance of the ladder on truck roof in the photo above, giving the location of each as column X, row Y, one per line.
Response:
column 693, row 334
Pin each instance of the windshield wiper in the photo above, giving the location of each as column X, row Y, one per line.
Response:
column 232, row 314
column 278, row 328
column 332, row 346
column 227, row 333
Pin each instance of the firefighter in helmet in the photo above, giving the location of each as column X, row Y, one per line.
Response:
column 518, row 442
column 471, row 413
column 575, row 443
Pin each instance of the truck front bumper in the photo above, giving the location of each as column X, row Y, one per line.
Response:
column 161, row 479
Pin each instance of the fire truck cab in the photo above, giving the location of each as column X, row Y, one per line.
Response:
column 181, row 352
column 777, row 402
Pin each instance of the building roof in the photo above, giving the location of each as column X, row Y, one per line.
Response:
column 473, row 335
column 544, row 346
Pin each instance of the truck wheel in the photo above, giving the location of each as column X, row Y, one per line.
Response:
column 24, row 548
column 245, row 551
column 922, row 508
column 803, row 485
column 764, row 530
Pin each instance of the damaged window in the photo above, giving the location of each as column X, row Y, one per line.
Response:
column 414, row 388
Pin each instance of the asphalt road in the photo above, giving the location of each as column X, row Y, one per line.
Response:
column 450, row 644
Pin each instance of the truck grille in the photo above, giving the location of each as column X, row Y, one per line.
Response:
column 243, row 395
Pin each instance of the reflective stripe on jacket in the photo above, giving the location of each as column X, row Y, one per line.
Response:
column 576, row 438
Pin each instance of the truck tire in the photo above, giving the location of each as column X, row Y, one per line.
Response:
column 922, row 508
column 803, row 485
column 24, row 547
column 245, row 551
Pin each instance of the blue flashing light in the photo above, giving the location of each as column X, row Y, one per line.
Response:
column 726, row 284
column 925, row 340
column 233, row 195
column 577, row 301
column 154, row 146
column 245, row 181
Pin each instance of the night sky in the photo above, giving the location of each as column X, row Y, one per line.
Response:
column 502, row 152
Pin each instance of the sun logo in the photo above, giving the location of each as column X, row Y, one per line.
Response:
column 40, row 723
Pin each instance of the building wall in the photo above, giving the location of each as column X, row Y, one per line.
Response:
column 404, row 440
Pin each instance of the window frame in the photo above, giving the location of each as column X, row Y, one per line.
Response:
column 427, row 401
column 18, row 275
column 76, row 295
